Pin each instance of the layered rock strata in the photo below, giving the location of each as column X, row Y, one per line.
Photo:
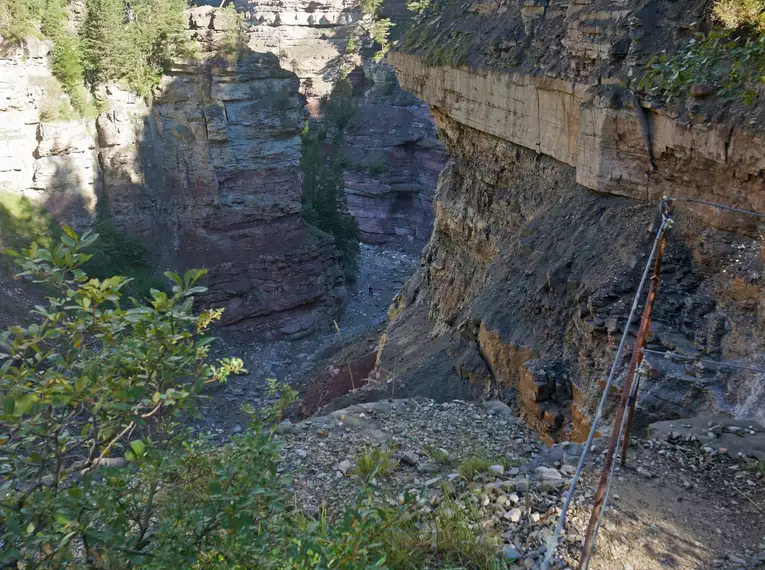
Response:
column 547, row 209
column 50, row 161
column 391, row 144
column 208, row 175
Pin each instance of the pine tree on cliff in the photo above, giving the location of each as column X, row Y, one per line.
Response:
column 324, row 202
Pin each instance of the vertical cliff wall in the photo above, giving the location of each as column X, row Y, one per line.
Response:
column 207, row 174
column 546, row 211
column 391, row 144
column 50, row 161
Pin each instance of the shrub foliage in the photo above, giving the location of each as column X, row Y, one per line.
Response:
column 729, row 61
column 98, row 472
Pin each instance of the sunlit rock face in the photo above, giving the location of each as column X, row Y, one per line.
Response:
column 43, row 157
column 208, row 174
column 393, row 151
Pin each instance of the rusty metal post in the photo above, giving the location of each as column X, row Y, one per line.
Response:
column 637, row 357
column 641, row 341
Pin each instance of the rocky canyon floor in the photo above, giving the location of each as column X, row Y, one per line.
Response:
column 383, row 268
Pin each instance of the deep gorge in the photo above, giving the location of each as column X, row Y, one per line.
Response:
column 543, row 212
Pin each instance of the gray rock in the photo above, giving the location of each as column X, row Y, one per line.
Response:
column 510, row 554
column 285, row 427
column 513, row 515
column 499, row 408
column 409, row 458
column 344, row 466
column 496, row 470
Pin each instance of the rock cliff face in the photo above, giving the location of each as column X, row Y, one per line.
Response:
column 547, row 209
column 208, row 175
column 54, row 162
column 392, row 130
column 395, row 159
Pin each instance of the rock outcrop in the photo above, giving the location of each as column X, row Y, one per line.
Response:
column 50, row 161
column 391, row 144
column 208, row 175
column 395, row 159
column 547, row 209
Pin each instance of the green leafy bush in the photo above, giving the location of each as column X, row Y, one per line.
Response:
column 92, row 384
column 729, row 61
column 723, row 61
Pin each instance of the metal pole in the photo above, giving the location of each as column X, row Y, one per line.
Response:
column 637, row 356
column 641, row 342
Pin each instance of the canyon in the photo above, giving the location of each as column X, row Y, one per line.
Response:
column 547, row 160
column 208, row 172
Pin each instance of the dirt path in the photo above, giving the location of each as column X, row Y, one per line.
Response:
column 692, row 513
column 383, row 268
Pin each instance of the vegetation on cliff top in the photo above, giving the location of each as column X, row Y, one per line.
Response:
column 729, row 61
column 99, row 472
column 126, row 43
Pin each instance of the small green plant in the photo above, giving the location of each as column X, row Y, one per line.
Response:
column 472, row 466
column 351, row 48
column 375, row 462
column 724, row 62
column 418, row 6
column 437, row 454
column 283, row 395
column 377, row 166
